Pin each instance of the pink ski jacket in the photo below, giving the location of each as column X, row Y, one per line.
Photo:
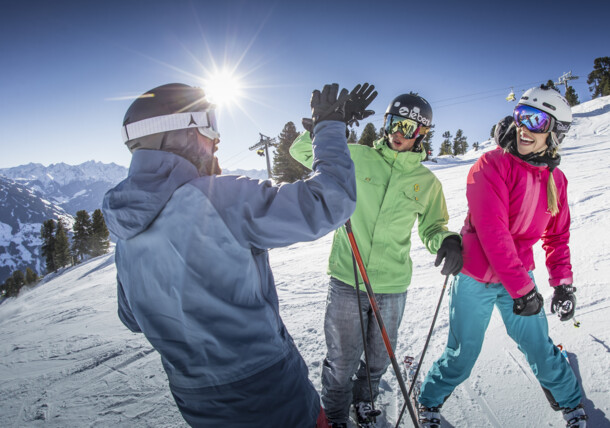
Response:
column 507, row 215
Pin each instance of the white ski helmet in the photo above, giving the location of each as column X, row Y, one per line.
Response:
column 552, row 102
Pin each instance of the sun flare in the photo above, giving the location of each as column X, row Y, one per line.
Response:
column 223, row 88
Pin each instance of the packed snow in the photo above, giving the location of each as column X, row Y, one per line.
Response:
column 67, row 361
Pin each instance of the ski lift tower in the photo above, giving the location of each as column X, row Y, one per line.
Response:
column 563, row 79
column 262, row 149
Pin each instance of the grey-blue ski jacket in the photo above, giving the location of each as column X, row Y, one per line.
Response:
column 192, row 263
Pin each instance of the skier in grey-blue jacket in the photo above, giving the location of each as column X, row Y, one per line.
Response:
column 192, row 265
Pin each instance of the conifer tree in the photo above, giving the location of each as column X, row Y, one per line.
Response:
column 352, row 137
column 9, row 288
column 599, row 78
column 551, row 85
column 99, row 234
column 493, row 131
column 381, row 133
column 285, row 168
column 30, row 276
column 460, row 143
column 572, row 96
column 368, row 136
column 62, row 256
column 81, row 239
column 446, row 148
column 427, row 142
column 47, row 235
column 19, row 279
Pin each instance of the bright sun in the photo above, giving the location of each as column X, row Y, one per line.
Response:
column 223, row 88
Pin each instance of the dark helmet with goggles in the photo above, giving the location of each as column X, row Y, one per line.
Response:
column 409, row 114
column 167, row 108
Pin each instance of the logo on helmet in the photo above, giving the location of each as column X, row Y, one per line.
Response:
column 413, row 114
column 403, row 111
column 562, row 127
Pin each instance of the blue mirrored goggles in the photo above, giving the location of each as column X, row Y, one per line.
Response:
column 537, row 121
column 407, row 127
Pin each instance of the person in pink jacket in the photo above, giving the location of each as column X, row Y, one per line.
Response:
column 516, row 196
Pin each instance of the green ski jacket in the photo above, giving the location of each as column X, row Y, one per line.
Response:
column 393, row 189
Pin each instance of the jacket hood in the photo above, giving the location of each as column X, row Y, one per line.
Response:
column 131, row 206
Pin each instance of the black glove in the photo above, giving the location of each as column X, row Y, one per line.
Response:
column 327, row 105
column 564, row 302
column 451, row 251
column 359, row 99
column 527, row 305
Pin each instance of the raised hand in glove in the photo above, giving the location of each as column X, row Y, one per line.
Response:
column 451, row 251
column 359, row 99
column 564, row 302
column 527, row 305
column 328, row 104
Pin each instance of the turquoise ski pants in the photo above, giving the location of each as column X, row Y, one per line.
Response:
column 470, row 308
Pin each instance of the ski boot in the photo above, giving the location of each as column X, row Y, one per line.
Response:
column 576, row 417
column 429, row 417
column 365, row 414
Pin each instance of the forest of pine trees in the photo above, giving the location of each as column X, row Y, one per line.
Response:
column 90, row 238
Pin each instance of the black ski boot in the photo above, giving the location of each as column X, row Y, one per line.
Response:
column 429, row 417
column 365, row 414
column 576, row 417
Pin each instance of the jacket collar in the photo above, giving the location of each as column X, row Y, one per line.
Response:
column 399, row 160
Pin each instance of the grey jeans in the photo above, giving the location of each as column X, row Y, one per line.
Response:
column 344, row 357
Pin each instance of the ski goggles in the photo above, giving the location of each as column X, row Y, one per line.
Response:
column 407, row 127
column 537, row 121
column 203, row 121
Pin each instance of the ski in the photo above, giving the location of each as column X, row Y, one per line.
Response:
column 410, row 367
column 411, row 371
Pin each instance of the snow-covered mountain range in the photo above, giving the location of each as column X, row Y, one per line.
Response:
column 72, row 187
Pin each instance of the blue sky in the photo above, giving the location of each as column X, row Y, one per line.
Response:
column 69, row 70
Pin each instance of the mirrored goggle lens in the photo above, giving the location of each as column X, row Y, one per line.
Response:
column 533, row 119
column 407, row 127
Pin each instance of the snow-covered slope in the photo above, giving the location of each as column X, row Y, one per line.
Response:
column 66, row 360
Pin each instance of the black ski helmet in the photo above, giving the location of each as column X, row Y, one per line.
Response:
column 166, row 103
column 411, row 107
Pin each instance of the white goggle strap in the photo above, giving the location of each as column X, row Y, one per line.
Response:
column 170, row 122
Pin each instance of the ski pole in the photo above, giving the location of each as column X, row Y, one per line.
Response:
column 374, row 413
column 421, row 358
column 384, row 334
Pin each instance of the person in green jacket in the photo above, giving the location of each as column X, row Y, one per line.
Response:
column 393, row 190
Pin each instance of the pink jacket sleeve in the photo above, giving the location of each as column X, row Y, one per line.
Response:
column 557, row 236
column 488, row 201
